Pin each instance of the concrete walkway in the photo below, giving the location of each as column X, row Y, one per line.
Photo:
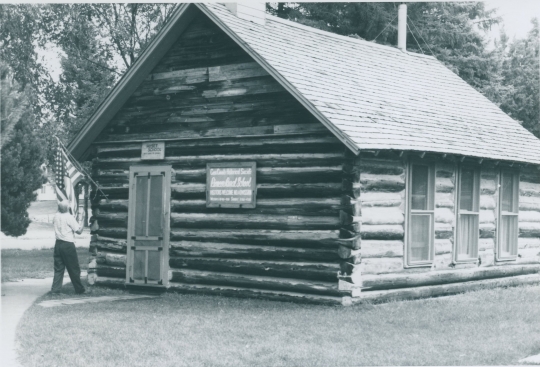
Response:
column 532, row 360
column 17, row 297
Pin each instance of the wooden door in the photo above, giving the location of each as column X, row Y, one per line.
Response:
column 148, row 225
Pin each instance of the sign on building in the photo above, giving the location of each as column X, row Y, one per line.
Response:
column 231, row 185
column 153, row 150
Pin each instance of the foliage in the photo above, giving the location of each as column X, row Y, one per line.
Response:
column 521, row 72
column 99, row 41
column 22, row 156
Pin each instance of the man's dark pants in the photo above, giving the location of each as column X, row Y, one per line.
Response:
column 65, row 256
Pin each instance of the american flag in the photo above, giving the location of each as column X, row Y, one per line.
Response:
column 67, row 175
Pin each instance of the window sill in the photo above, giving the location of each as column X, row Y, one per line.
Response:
column 506, row 259
column 419, row 265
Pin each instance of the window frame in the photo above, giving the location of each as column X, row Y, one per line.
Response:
column 514, row 213
column 458, row 212
column 409, row 212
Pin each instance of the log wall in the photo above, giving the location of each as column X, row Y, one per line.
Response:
column 383, row 180
column 210, row 103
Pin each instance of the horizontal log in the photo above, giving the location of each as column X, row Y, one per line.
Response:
column 486, row 258
column 403, row 280
column 200, row 161
column 110, row 271
column 350, row 255
column 264, row 175
column 283, row 269
column 444, row 290
column 111, row 282
column 319, row 143
column 444, row 215
column 187, row 276
column 236, row 71
column 117, row 219
column 529, row 189
column 444, row 246
column 227, row 291
column 216, row 132
column 382, row 216
column 487, row 202
column 112, row 259
column 237, row 221
column 486, row 216
column 381, row 199
column 529, row 242
column 382, row 167
column 252, row 252
column 529, row 229
column 487, row 186
column 111, row 244
column 113, row 232
column 444, row 200
column 302, row 238
column 382, row 232
column 195, row 190
column 529, row 216
column 444, row 185
column 381, row 265
column 378, row 249
column 386, row 183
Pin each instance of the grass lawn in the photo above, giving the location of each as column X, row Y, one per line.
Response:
column 23, row 264
column 488, row 327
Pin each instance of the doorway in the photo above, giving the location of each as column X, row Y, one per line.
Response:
column 148, row 225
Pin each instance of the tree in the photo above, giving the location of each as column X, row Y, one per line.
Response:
column 22, row 156
column 521, row 73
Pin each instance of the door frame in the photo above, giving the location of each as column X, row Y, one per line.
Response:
column 165, row 170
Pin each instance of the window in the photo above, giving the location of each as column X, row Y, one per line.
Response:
column 420, row 232
column 508, row 215
column 468, row 202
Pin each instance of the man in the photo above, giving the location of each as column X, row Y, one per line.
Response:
column 65, row 255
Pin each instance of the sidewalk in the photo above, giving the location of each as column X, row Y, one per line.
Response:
column 17, row 297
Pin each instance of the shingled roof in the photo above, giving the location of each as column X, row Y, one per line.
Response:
column 376, row 97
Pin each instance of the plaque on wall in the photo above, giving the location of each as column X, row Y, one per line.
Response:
column 153, row 150
column 231, row 185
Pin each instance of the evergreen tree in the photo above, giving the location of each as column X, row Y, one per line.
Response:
column 22, row 156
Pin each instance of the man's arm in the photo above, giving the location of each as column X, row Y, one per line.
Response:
column 77, row 227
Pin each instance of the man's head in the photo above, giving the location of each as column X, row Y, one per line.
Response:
column 63, row 207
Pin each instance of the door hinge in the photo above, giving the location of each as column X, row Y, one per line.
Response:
column 131, row 280
column 145, row 280
column 160, row 282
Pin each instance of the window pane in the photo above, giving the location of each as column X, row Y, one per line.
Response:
column 141, row 198
column 507, row 190
column 509, row 235
column 419, row 190
column 154, row 271
column 466, row 199
column 468, row 236
column 139, row 258
column 156, row 206
column 420, row 237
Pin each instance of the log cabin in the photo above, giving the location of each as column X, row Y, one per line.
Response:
column 246, row 155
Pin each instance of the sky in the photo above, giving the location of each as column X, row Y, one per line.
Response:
column 516, row 15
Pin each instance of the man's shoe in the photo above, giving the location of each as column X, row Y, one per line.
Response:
column 81, row 292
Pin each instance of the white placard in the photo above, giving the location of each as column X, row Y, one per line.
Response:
column 153, row 150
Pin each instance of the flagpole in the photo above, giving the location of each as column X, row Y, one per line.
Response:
column 79, row 166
